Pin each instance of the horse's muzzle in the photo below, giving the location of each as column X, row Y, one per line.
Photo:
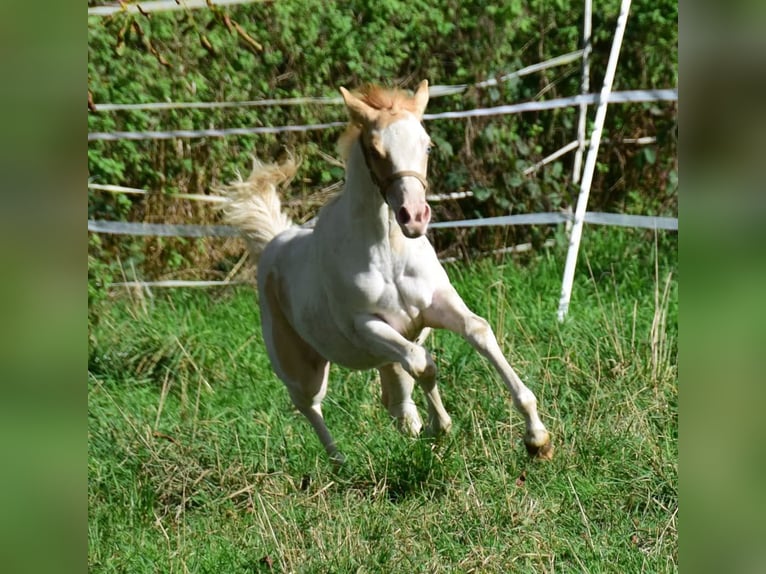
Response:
column 414, row 220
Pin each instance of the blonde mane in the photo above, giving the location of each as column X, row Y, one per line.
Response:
column 392, row 100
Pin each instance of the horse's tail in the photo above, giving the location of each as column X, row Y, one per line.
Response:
column 253, row 204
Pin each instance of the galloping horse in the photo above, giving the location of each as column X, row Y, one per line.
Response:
column 363, row 286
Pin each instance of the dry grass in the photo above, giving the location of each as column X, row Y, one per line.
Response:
column 197, row 462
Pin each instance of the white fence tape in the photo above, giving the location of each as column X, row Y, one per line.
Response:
column 161, row 6
column 178, row 283
column 160, row 106
column 614, row 97
column 161, row 229
column 520, row 248
column 618, row 219
column 219, row 199
column 136, row 191
column 434, row 91
column 552, row 157
column 168, row 230
column 213, row 133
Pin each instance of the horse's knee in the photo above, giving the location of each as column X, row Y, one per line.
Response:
column 420, row 364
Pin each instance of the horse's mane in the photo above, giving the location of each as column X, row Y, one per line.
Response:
column 392, row 100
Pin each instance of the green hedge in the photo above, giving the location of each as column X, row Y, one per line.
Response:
column 309, row 48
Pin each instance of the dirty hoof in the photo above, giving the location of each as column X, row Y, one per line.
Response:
column 337, row 459
column 542, row 452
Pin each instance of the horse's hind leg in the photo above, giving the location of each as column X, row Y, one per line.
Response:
column 409, row 362
column 307, row 394
column 439, row 422
column 303, row 371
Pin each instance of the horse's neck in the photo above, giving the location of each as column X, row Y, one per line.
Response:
column 366, row 208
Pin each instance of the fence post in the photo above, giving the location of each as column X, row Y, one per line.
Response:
column 590, row 163
column 584, row 89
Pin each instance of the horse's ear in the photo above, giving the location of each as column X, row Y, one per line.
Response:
column 421, row 98
column 360, row 112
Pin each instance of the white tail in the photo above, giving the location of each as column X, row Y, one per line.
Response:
column 254, row 206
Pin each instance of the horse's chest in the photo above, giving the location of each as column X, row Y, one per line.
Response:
column 400, row 302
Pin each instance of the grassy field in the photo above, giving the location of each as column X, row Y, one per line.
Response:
column 198, row 463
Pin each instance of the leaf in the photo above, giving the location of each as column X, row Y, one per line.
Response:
column 482, row 193
column 443, row 147
column 514, row 179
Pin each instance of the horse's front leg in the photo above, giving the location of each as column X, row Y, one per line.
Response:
column 448, row 311
column 383, row 340
column 396, row 394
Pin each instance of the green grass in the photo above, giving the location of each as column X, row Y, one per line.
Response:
column 198, row 463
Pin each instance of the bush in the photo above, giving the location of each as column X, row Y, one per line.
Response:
column 290, row 49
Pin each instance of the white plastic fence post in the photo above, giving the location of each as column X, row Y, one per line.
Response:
column 584, row 89
column 590, row 163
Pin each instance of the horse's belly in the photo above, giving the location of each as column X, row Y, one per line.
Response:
column 343, row 346
column 341, row 350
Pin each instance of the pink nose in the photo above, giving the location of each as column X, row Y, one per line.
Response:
column 414, row 222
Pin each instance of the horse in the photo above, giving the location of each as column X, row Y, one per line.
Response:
column 362, row 286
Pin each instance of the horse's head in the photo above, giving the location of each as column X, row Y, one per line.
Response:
column 395, row 147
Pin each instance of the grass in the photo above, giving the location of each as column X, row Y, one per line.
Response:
column 198, row 463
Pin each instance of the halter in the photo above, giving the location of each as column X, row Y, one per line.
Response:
column 386, row 183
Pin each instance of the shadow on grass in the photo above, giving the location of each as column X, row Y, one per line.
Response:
column 422, row 467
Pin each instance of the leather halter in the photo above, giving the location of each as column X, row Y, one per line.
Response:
column 386, row 183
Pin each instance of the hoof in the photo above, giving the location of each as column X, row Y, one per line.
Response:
column 437, row 428
column 409, row 426
column 542, row 452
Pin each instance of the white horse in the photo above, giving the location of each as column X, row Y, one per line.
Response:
column 363, row 286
